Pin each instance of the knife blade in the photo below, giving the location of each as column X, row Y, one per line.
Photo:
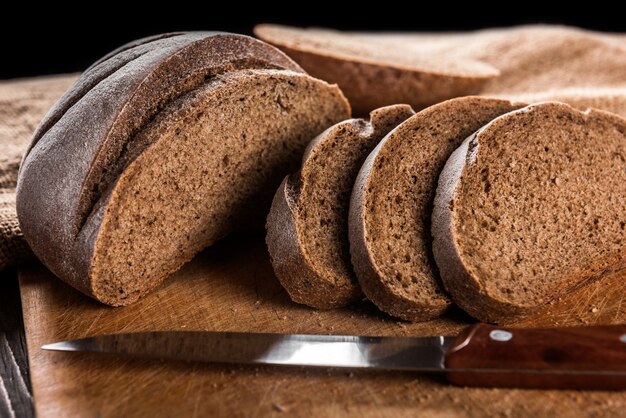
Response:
column 482, row 355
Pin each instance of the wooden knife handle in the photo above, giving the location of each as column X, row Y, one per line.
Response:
column 555, row 358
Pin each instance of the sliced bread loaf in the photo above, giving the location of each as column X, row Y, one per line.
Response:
column 530, row 207
column 375, row 70
column 392, row 201
column 307, row 227
column 161, row 149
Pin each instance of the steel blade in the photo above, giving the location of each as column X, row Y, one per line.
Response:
column 407, row 353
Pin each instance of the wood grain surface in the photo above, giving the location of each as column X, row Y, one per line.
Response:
column 15, row 391
column 231, row 287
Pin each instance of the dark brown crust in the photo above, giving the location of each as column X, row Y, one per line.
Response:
column 96, row 73
column 133, row 44
column 365, row 265
column 293, row 267
column 55, row 194
column 465, row 288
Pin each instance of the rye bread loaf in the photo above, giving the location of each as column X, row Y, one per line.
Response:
column 161, row 149
column 391, row 205
column 375, row 71
column 530, row 207
column 307, row 227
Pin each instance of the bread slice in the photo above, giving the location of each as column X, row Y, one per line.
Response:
column 391, row 206
column 530, row 207
column 159, row 151
column 307, row 227
column 375, row 71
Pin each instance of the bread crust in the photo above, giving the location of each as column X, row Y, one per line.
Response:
column 466, row 288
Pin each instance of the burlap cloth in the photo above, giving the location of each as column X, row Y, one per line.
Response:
column 579, row 67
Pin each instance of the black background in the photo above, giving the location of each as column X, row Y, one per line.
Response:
column 52, row 40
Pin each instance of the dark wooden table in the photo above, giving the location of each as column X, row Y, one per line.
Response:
column 15, row 389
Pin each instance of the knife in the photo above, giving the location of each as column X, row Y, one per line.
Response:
column 482, row 355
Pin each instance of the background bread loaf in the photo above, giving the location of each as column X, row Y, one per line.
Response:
column 525, row 63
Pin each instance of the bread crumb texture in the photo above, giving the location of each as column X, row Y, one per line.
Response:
column 220, row 152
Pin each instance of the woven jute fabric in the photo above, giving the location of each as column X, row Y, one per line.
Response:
column 536, row 63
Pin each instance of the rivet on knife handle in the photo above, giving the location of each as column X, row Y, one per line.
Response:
column 563, row 358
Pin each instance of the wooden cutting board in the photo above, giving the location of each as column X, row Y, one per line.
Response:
column 231, row 287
